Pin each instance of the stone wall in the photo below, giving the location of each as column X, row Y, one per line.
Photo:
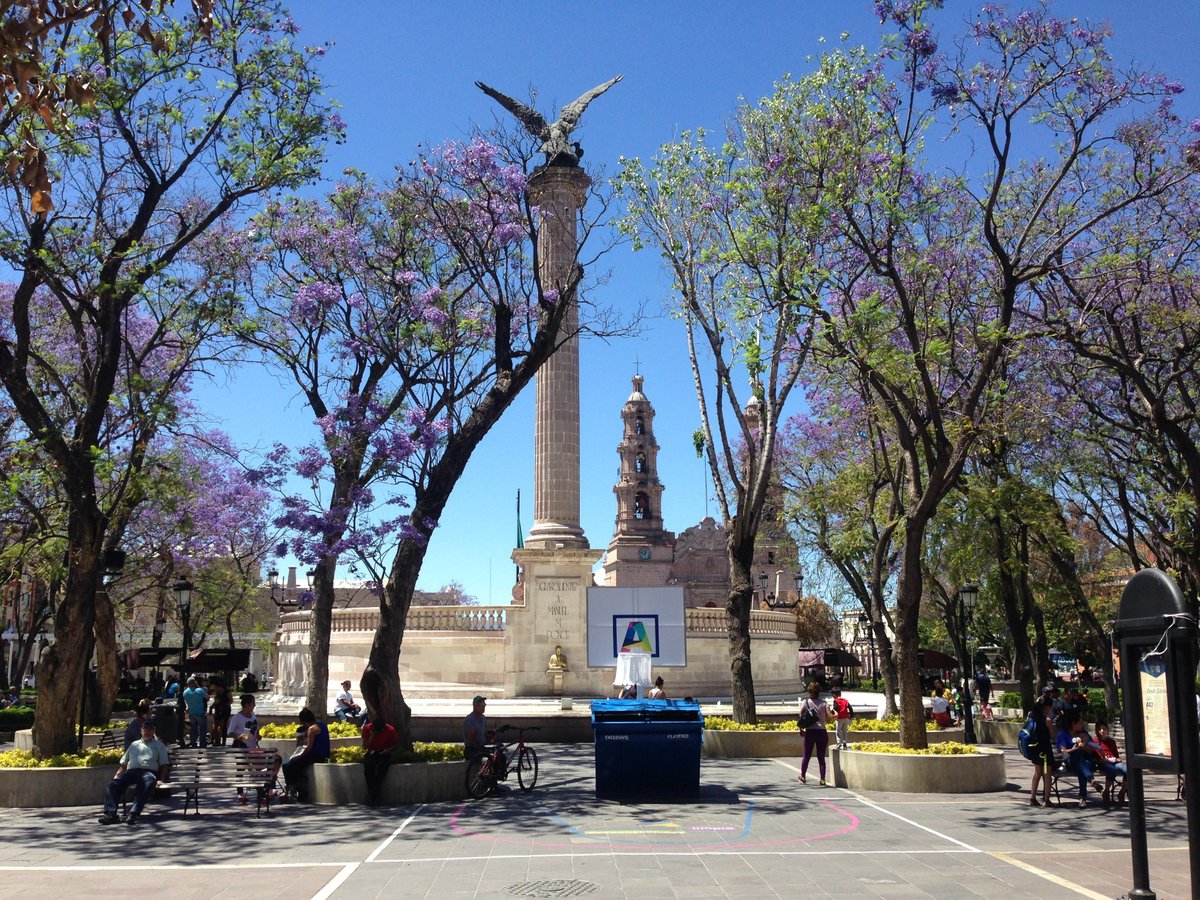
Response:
column 503, row 652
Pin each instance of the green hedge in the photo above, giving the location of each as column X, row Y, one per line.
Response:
column 16, row 718
column 1010, row 700
column 421, row 752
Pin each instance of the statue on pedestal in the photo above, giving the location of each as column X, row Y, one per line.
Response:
column 559, row 151
column 558, row 661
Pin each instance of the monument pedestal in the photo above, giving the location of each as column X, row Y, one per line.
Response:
column 555, row 614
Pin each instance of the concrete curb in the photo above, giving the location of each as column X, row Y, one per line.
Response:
column 974, row 773
column 54, row 786
column 337, row 784
column 771, row 744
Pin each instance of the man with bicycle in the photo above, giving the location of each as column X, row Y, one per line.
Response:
column 476, row 733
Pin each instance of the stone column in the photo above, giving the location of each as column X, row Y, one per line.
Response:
column 559, row 192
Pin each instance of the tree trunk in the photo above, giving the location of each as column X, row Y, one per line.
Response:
column 60, row 671
column 320, row 624
column 885, row 654
column 740, row 550
column 108, row 663
column 908, row 609
column 380, row 684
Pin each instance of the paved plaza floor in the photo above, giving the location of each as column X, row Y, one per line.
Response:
column 754, row 832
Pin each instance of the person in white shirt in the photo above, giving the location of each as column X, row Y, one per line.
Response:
column 346, row 708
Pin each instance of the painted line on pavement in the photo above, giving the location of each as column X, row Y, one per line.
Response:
column 391, row 837
column 1049, row 876
column 336, row 882
column 169, row 867
column 600, row 854
column 907, row 821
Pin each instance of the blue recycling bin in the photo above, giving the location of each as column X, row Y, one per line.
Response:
column 647, row 749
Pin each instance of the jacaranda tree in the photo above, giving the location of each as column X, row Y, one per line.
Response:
column 188, row 125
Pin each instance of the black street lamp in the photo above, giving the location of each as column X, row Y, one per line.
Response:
column 183, row 599
column 273, row 581
column 778, row 602
column 968, row 596
column 865, row 621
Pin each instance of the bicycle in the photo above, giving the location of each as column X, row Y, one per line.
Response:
column 485, row 772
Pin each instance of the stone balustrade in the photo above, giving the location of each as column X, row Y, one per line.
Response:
column 709, row 620
column 491, row 619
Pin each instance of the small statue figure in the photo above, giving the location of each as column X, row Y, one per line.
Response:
column 559, row 151
column 558, row 662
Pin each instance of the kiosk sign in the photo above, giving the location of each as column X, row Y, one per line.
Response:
column 1156, row 724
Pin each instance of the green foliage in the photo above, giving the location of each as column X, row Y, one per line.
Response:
column 23, row 759
column 123, row 704
column 16, row 718
column 113, row 725
column 1010, row 700
column 891, row 723
column 949, row 748
column 287, row 730
column 422, row 752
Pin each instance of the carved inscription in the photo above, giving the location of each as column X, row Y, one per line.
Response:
column 556, row 594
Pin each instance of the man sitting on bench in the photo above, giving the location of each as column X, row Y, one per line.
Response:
column 143, row 764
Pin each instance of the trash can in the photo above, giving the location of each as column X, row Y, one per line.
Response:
column 166, row 723
column 647, row 749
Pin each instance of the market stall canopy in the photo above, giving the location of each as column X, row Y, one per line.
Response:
column 137, row 657
column 827, row 656
column 218, row 659
column 935, row 659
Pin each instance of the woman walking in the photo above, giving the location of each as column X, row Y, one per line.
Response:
column 814, row 715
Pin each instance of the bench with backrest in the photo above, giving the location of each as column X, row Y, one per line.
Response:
column 196, row 769
column 109, row 741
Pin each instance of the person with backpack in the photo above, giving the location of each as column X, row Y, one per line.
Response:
column 1035, row 745
column 843, row 712
column 814, row 714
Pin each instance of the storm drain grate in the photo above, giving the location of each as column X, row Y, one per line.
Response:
column 555, row 888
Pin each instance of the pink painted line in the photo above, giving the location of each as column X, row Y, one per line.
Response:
column 851, row 825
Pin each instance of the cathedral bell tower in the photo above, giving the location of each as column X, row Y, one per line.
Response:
column 640, row 552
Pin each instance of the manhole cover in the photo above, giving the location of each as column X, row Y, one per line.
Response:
column 556, row 888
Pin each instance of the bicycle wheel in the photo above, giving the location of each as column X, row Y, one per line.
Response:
column 479, row 777
column 527, row 769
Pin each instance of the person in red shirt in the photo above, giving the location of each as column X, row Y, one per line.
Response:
column 842, row 713
column 379, row 738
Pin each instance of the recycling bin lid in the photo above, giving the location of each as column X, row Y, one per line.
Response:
column 645, row 711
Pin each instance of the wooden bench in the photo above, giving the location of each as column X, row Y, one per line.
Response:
column 194, row 769
column 108, row 741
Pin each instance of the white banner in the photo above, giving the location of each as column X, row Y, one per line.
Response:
column 636, row 619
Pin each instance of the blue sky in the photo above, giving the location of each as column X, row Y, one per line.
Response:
column 404, row 73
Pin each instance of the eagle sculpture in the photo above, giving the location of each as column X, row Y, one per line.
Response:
column 559, row 151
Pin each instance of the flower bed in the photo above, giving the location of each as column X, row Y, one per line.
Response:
column 729, row 740
column 907, row 772
column 66, row 780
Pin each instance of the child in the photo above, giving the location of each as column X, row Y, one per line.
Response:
column 842, row 714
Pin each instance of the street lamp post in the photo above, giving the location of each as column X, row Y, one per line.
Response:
column 779, row 602
column 968, row 596
column 183, row 599
column 865, row 621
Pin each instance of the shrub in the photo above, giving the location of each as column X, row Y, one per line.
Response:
column 949, row 748
column 890, row 723
column 1010, row 700
column 23, row 759
column 724, row 723
column 421, row 752
column 16, row 718
column 336, row 730
column 123, row 704
column 113, row 725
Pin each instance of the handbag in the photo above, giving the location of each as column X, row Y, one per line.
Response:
column 808, row 717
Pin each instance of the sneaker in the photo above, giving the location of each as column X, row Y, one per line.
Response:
column 801, row 779
column 822, row 782
column 131, row 819
column 108, row 819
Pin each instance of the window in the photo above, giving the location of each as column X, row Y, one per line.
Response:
column 639, row 426
column 639, row 463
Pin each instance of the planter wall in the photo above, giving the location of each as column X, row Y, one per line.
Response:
column 973, row 773
column 338, row 784
column 54, row 787
column 997, row 732
column 770, row 744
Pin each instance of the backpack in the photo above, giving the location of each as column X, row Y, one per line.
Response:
column 1025, row 738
